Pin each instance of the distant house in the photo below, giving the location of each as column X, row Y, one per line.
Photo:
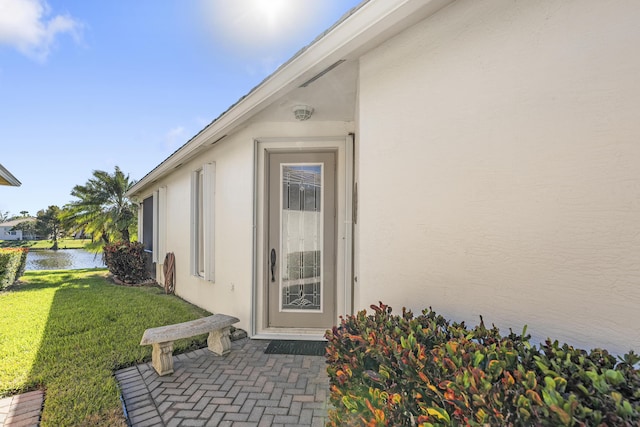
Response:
column 7, row 231
column 478, row 157
column 7, row 179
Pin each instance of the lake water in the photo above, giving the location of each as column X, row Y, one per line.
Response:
column 63, row 259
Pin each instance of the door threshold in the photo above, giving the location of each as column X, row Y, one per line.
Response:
column 297, row 335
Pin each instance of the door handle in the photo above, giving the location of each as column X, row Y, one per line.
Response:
column 273, row 265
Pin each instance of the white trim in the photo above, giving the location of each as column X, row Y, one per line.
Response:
column 140, row 221
column 348, row 226
column 159, row 224
column 8, row 177
column 154, row 244
column 193, row 256
column 209, row 212
column 291, row 334
column 207, row 234
column 344, row 177
column 254, row 249
column 161, row 237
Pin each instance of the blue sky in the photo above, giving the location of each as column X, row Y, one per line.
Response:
column 88, row 85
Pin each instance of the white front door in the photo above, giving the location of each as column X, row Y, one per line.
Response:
column 300, row 266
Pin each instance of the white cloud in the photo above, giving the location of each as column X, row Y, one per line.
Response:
column 27, row 25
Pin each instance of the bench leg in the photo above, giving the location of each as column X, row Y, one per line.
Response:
column 219, row 342
column 162, row 357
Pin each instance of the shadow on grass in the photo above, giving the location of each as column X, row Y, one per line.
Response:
column 93, row 328
column 16, row 244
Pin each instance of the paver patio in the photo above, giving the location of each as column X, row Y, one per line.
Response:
column 244, row 388
column 22, row 410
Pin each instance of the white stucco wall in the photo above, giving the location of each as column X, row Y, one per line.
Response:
column 499, row 169
column 234, row 198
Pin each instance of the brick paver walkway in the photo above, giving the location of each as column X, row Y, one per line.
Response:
column 22, row 410
column 244, row 388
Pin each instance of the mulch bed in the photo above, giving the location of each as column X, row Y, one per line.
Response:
column 118, row 281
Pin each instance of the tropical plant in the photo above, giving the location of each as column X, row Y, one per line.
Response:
column 48, row 224
column 126, row 261
column 401, row 370
column 5, row 216
column 28, row 227
column 102, row 207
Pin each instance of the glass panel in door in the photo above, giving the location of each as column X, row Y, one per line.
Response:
column 301, row 237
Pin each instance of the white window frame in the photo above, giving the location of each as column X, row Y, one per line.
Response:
column 155, row 253
column 202, row 229
column 159, row 220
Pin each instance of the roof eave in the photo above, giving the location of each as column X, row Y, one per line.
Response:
column 6, row 178
column 362, row 28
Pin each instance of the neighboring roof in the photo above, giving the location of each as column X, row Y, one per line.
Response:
column 7, row 179
column 17, row 221
column 359, row 30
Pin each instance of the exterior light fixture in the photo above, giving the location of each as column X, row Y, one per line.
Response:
column 302, row 112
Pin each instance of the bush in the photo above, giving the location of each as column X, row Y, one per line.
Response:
column 390, row 370
column 126, row 261
column 12, row 265
column 23, row 262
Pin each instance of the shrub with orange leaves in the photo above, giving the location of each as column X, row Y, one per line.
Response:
column 401, row 370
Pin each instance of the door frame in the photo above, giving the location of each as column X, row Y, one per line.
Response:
column 343, row 145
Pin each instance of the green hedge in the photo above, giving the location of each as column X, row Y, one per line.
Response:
column 12, row 264
column 126, row 261
column 401, row 370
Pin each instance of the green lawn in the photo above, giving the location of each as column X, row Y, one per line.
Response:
column 46, row 244
column 67, row 331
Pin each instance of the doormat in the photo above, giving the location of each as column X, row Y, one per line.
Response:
column 302, row 348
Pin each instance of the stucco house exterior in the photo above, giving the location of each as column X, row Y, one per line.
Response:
column 478, row 157
column 7, row 231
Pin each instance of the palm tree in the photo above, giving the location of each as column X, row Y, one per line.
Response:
column 102, row 208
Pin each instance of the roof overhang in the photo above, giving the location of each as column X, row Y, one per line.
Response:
column 361, row 29
column 6, row 178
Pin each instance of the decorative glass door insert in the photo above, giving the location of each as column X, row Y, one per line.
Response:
column 301, row 236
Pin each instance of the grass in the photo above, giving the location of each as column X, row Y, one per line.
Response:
column 67, row 331
column 66, row 243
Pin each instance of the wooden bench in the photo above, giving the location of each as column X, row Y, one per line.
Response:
column 161, row 338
